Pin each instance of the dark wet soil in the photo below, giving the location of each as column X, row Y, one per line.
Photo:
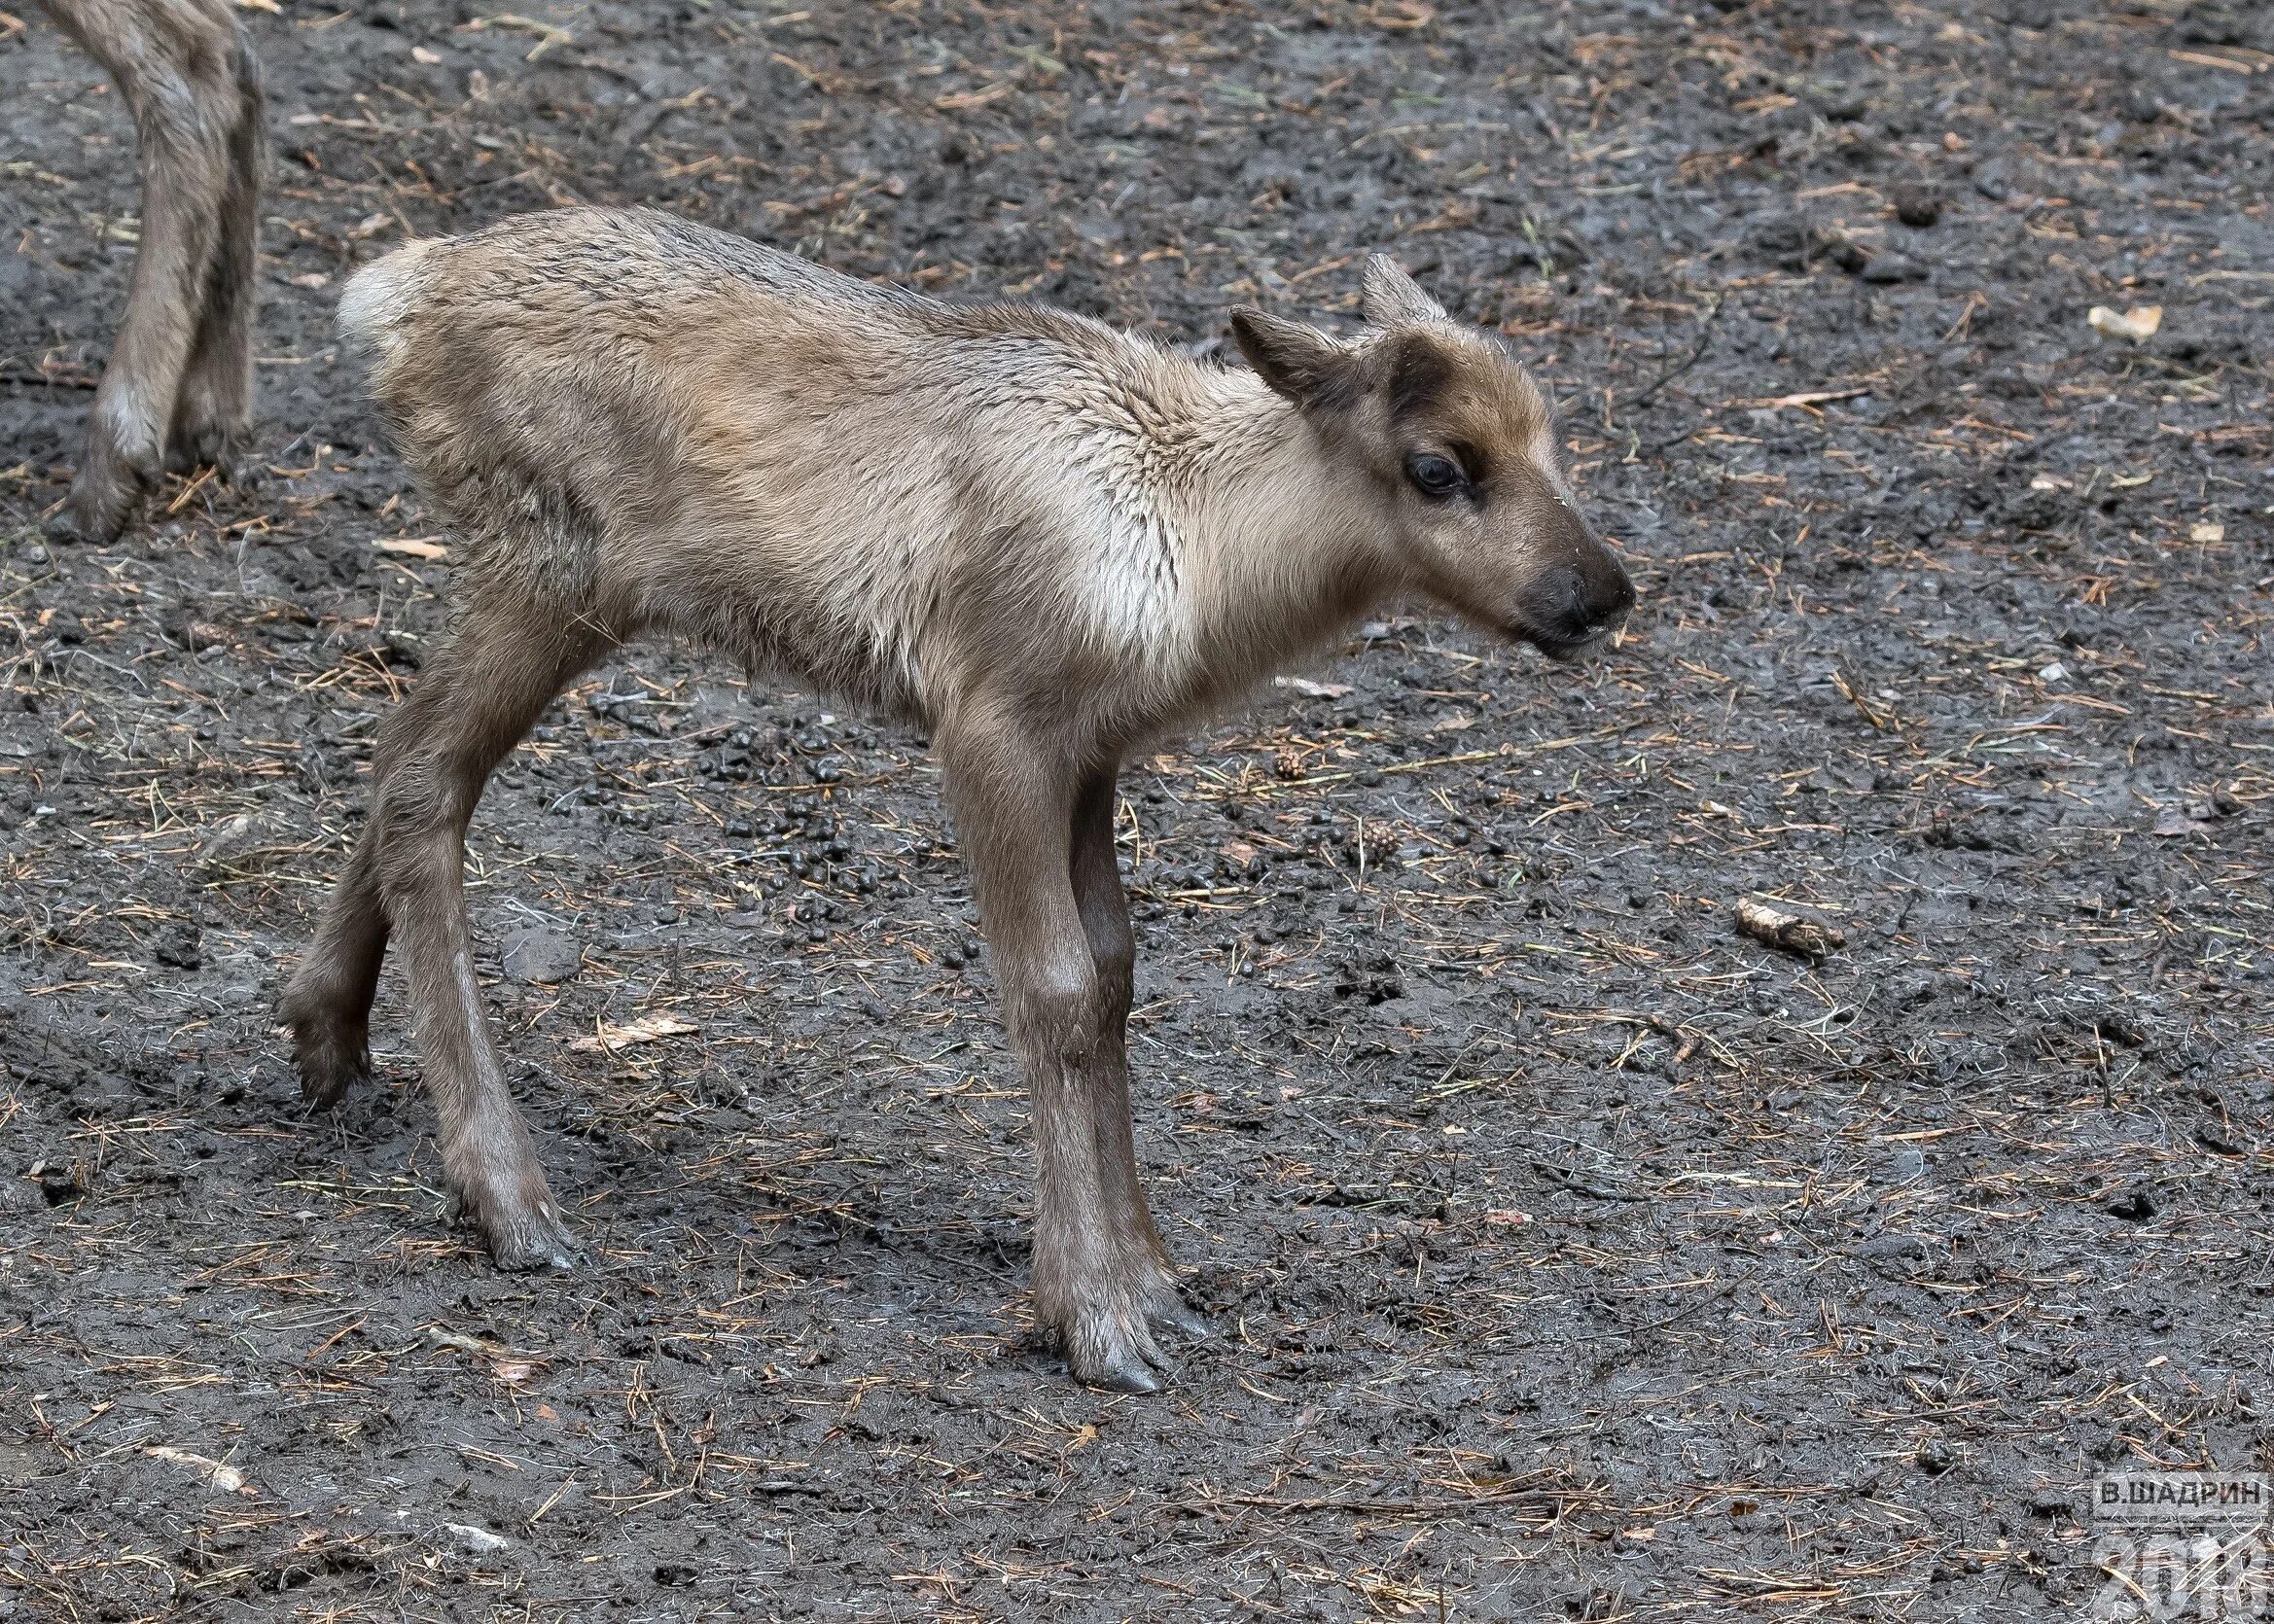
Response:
column 1572, row 1255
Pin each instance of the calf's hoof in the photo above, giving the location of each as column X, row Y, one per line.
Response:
column 515, row 1215
column 333, row 1051
column 332, row 1061
column 1108, row 1338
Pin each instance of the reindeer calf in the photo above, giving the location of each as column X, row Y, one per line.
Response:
column 178, row 390
column 1040, row 539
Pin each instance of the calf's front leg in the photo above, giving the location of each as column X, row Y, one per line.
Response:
column 1112, row 954
column 1098, row 1276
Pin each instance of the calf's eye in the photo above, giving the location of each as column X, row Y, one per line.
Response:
column 1434, row 477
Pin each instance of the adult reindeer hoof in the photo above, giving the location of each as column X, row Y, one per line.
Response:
column 1114, row 1351
column 1129, row 1374
column 550, row 1250
column 207, row 436
column 119, row 463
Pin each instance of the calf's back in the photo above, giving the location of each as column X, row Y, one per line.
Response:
column 656, row 426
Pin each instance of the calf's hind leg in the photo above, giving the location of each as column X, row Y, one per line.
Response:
column 329, row 1003
column 479, row 694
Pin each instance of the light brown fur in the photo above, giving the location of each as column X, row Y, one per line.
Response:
column 1041, row 540
column 178, row 389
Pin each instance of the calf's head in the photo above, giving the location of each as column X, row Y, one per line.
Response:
column 1468, row 484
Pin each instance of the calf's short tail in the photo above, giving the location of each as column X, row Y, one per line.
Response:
column 379, row 299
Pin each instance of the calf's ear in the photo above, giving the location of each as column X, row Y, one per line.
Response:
column 1389, row 298
column 1302, row 363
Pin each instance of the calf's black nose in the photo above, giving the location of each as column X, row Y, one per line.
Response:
column 1596, row 593
column 1610, row 592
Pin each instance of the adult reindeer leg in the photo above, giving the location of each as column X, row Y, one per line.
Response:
column 178, row 65
column 1112, row 952
column 215, row 407
column 1094, row 1281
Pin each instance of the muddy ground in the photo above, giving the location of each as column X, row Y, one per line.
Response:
column 1571, row 1256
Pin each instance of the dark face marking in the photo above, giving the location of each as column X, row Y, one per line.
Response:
column 1421, row 374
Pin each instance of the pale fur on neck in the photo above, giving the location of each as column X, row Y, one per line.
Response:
column 1277, row 548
